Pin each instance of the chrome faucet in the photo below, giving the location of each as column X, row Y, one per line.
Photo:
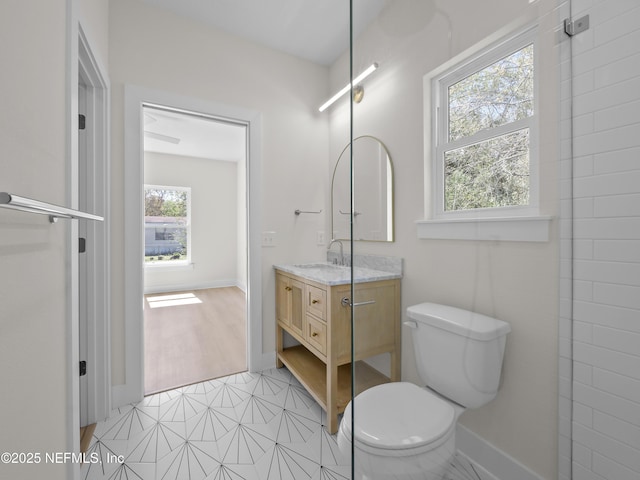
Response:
column 341, row 261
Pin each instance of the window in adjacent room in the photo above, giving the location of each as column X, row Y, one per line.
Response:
column 484, row 136
column 167, row 226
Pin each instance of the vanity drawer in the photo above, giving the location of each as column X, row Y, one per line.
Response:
column 316, row 302
column 317, row 334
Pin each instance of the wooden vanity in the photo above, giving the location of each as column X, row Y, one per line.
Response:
column 317, row 313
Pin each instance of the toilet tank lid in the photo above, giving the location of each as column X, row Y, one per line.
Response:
column 461, row 322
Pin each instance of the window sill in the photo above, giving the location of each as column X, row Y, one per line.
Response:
column 512, row 229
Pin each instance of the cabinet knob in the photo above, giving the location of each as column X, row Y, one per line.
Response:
column 315, row 301
column 288, row 289
column 314, row 334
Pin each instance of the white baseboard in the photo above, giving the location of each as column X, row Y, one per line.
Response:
column 198, row 286
column 268, row 361
column 494, row 462
column 122, row 395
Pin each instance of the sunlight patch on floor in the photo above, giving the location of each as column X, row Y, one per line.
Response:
column 159, row 301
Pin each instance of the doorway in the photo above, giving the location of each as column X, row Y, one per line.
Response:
column 195, row 247
column 131, row 340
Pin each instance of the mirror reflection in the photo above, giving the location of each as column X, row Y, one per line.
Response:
column 372, row 192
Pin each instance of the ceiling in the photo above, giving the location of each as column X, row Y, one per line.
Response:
column 315, row 30
column 187, row 135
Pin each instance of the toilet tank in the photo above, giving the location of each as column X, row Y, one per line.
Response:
column 458, row 353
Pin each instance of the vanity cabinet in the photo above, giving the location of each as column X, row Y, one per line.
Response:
column 318, row 316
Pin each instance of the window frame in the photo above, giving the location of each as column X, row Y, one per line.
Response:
column 440, row 144
column 171, row 263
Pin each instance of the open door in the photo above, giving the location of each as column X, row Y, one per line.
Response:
column 83, row 313
column 93, row 241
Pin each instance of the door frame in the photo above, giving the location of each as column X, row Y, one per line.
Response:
column 96, row 198
column 134, row 99
column 81, row 59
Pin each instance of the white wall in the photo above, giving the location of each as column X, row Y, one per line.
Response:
column 514, row 281
column 214, row 222
column 34, row 254
column 155, row 49
column 93, row 16
column 606, row 286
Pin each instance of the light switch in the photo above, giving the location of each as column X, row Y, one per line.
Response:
column 268, row 239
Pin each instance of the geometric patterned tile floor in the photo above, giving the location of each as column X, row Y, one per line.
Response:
column 253, row 426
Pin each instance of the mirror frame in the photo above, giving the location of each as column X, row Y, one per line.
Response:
column 390, row 235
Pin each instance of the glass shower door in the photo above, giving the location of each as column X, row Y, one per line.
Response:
column 412, row 43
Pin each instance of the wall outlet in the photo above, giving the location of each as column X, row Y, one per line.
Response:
column 320, row 240
column 268, row 239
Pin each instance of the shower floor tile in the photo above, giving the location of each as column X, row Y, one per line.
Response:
column 252, row 426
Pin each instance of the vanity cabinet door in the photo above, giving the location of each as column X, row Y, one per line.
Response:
column 376, row 324
column 283, row 303
column 297, row 308
column 289, row 306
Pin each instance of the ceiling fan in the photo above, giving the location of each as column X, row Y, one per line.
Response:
column 162, row 138
column 157, row 136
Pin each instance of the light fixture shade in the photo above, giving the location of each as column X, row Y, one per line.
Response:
column 347, row 87
column 358, row 93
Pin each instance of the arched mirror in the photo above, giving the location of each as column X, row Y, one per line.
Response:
column 372, row 192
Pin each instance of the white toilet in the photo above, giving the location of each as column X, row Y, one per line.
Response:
column 403, row 431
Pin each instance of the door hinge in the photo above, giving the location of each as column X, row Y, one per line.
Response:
column 82, row 122
column 575, row 27
column 83, row 368
column 82, row 245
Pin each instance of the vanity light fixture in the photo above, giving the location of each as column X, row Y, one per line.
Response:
column 356, row 80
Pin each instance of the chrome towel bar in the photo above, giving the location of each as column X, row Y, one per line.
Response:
column 298, row 212
column 15, row 202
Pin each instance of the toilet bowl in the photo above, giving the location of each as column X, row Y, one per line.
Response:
column 401, row 431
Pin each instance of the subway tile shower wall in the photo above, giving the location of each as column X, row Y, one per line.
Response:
column 606, row 247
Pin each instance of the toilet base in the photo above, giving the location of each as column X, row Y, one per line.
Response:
column 431, row 465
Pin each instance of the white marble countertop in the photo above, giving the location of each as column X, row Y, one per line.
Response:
column 330, row 274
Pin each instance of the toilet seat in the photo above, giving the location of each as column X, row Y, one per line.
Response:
column 398, row 419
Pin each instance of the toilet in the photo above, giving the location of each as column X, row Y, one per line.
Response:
column 403, row 431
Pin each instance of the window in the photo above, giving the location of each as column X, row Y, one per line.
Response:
column 167, row 225
column 483, row 140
